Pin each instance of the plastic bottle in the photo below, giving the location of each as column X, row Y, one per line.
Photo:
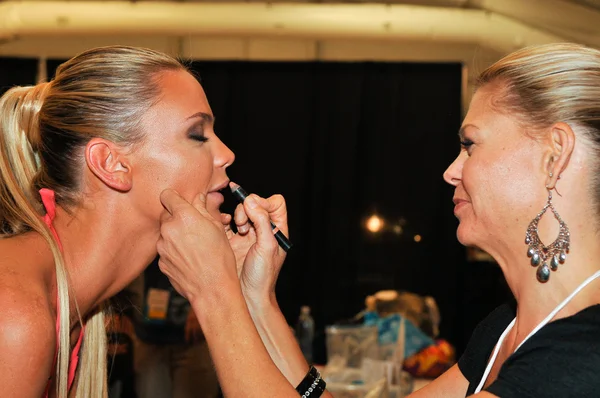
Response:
column 305, row 332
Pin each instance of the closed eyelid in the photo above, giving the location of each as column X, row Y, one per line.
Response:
column 462, row 133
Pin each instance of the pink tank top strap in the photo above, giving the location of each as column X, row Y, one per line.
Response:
column 48, row 199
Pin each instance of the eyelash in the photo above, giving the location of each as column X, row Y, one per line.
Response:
column 466, row 143
column 199, row 138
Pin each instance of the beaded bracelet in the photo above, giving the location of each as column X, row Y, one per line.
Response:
column 312, row 385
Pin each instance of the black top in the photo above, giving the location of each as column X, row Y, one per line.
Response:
column 561, row 360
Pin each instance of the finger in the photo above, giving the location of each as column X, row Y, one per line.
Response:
column 199, row 204
column 261, row 221
column 171, row 200
column 165, row 216
column 226, row 221
column 225, row 218
column 241, row 219
column 277, row 209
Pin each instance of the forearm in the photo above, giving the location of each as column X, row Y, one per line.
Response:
column 242, row 363
column 279, row 340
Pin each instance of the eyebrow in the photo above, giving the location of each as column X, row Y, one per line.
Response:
column 206, row 117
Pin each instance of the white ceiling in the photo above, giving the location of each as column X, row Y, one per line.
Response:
column 498, row 24
column 573, row 20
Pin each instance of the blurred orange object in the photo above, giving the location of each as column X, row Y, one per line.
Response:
column 432, row 361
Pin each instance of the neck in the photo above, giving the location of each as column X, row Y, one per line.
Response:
column 102, row 253
column 536, row 300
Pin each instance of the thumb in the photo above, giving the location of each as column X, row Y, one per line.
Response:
column 171, row 200
column 199, row 203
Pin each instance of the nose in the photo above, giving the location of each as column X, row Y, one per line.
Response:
column 224, row 157
column 453, row 174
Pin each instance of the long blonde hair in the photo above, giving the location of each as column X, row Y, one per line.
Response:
column 104, row 93
column 551, row 83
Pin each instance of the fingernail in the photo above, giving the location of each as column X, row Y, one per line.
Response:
column 251, row 202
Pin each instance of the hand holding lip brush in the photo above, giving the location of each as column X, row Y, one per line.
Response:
column 240, row 194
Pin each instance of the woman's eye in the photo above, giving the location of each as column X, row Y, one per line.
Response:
column 466, row 143
column 197, row 137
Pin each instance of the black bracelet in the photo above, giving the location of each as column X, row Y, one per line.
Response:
column 312, row 385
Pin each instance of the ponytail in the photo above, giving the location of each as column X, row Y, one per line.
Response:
column 19, row 164
column 21, row 210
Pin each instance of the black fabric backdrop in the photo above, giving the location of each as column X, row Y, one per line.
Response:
column 342, row 141
column 17, row 72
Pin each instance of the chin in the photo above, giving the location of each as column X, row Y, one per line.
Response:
column 464, row 235
column 215, row 213
column 214, row 210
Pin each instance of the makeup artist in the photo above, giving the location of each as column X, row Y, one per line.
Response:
column 527, row 174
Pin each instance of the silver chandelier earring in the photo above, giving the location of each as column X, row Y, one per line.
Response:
column 544, row 257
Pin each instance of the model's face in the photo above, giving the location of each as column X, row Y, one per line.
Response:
column 180, row 149
column 497, row 175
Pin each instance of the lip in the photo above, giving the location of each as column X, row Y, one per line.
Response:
column 215, row 199
column 220, row 187
column 459, row 204
column 216, row 196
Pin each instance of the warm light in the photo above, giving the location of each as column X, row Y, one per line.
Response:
column 397, row 229
column 417, row 238
column 374, row 224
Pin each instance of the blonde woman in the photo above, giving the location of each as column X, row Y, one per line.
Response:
column 83, row 161
column 526, row 191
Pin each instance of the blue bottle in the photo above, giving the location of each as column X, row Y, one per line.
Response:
column 305, row 333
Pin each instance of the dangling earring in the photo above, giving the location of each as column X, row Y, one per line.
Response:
column 556, row 252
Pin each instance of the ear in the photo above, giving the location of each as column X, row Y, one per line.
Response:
column 562, row 140
column 108, row 162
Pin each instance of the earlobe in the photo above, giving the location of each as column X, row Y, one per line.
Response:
column 108, row 162
column 563, row 144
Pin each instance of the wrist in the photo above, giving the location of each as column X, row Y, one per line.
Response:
column 258, row 297
column 259, row 301
column 215, row 300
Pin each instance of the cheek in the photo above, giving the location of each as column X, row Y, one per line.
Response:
column 191, row 176
column 188, row 172
column 503, row 188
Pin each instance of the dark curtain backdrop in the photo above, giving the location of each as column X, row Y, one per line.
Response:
column 17, row 72
column 342, row 141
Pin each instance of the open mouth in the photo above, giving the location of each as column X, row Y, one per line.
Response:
column 223, row 191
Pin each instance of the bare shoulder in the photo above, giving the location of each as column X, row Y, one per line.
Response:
column 27, row 329
column 27, row 343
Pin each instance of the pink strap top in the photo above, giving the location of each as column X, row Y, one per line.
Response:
column 50, row 205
